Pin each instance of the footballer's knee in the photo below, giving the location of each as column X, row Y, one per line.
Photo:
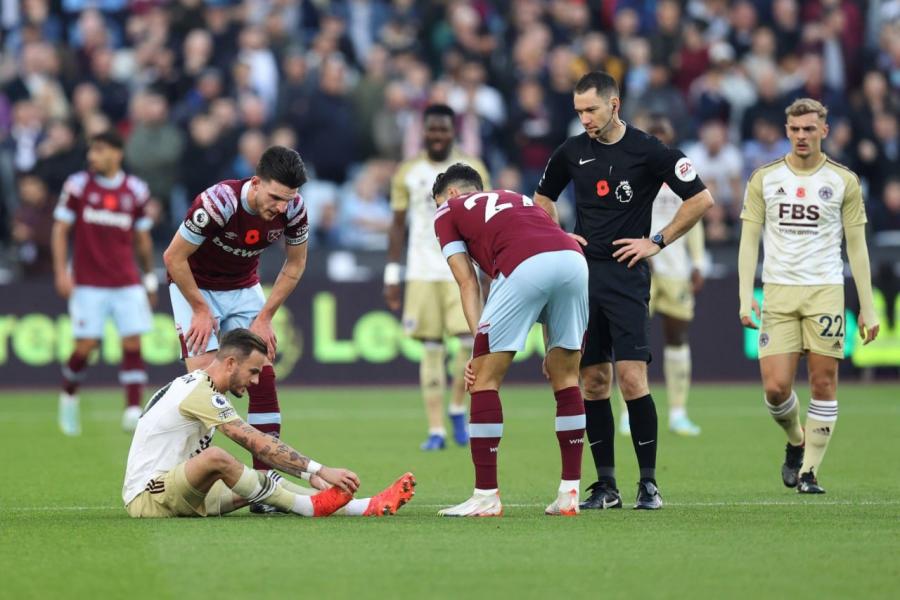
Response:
column 219, row 461
column 777, row 392
column 84, row 346
column 131, row 343
column 632, row 379
column 823, row 384
column 596, row 381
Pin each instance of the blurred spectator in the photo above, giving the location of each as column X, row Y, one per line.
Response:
column 767, row 144
column 886, row 213
column 663, row 98
column 365, row 215
column 693, row 57
column 113, row 94
column 719, row 164
column 59, row 155
column 205, row 157
column 251, row 146
column 768, row 105
column 153, row 150
column 879, row 155
column 294, row 91
column 24, row 134
column 533, row 137
column 32, row 222
column 321, row 199
column 666, row 40
column 326, row 138
column 368, row 95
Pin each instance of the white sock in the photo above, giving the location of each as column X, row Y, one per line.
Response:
column 492, row 492
column 676, row 413
column 303, row 506
column 567, row 485
column 437, row 431
column 356, row 507
column 456, row 410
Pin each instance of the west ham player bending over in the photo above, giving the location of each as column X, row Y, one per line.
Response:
column 213, row 260
column 540, row 275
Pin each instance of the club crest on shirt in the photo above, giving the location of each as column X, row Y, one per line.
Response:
column 231, row 235
column 684, row 169
column 624, row 192
column 274, row 234
column 219, row 401
column 825, row 192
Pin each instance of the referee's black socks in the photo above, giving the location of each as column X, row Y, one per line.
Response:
column 642, row 416
column 601, row 433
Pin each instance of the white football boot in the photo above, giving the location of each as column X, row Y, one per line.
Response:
column 130, row 418
column 566, row 504
column 68, row 417
column 483, row 503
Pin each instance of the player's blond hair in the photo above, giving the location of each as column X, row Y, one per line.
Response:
column 804, row 106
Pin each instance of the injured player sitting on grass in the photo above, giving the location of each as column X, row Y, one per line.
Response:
column 173, row 472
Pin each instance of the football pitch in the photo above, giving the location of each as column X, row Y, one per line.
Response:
column 729, row 528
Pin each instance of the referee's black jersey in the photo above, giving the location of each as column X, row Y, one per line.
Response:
column 615, row 185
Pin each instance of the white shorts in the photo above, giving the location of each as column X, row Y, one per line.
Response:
column 232, row 309
column 90, row 306
column 549, row 288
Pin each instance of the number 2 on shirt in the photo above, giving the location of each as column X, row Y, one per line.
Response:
column 491, row 207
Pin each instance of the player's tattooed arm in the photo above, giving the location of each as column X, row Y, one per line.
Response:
column 281, row 456
column 267, row 448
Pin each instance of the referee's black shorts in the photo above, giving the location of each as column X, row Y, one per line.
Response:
column 619, row 315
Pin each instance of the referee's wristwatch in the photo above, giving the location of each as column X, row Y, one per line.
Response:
column 658, row 240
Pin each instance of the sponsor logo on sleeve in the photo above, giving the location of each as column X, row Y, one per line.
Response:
column 200, row 218
column 684, row 169
column 219, row 401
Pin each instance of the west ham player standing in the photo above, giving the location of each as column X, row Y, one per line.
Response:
column 802, row 205
column 106, row 209
column 431, row 308
column 617, row 171
column 212, row 263
column 540, row 275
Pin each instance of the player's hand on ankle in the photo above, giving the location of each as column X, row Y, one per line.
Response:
column 345, row 479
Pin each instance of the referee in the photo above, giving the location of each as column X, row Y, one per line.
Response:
column 617, row 171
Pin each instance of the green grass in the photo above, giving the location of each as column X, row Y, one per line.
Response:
column 730, row 529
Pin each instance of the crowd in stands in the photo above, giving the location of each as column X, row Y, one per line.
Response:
column 200, row 88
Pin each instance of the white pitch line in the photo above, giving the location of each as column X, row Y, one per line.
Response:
column 536, row 505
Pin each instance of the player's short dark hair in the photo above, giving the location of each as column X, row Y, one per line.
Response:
column 110, row 137
column 283, row 165
column 241, row 342
column 603, row 82
column 459, row 173
column 439, row 110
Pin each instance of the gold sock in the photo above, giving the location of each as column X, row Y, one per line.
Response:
column 677, row 371
column 787, row 415
column 433, row 380
column 820, row 421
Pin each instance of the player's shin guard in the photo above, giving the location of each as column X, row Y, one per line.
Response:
column 264, row 412
column 821, row 419
column 485, row 431
column 433, row 381
column 73, row 373
column 601, row 430
column 133, row 377
column 570, row 432
column 787, row 415
column 642, row 414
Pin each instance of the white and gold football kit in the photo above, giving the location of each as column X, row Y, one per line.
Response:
column 178, row 423
column 804, row 214
column 671, row 290
column 431, row 304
